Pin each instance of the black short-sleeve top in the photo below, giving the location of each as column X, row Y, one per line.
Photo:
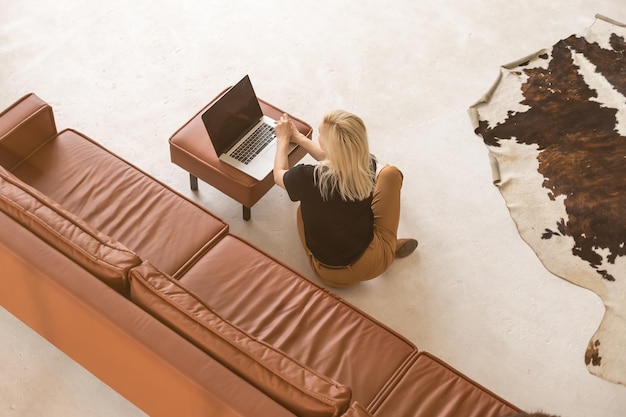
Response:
column 337, row 232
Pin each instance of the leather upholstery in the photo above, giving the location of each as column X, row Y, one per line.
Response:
column 296, row 387
column 274, row 304
column 257, row 307
column 121, row 201
column 98, row 253
column 433, row 388
column 356, row 410
column 114, row 339
column 26, row 124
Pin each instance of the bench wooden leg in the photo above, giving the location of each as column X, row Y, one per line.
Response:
column 193, row 182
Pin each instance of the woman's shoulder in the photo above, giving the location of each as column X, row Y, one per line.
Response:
column 299, row 181
column 305, row 166
column 299, row 174
column 303, row 169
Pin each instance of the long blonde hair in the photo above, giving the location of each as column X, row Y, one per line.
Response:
column 347, row 167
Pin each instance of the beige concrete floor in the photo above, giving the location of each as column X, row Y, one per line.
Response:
column 130, row 73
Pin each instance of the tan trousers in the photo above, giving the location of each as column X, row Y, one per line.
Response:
column 381, row 251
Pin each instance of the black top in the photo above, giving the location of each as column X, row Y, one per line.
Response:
column 337, row 232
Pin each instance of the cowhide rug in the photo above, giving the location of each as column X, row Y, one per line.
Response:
column 555, row 127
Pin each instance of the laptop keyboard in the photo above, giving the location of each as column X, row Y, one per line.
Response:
column 252, row 146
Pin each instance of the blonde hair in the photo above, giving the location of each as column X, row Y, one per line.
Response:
column 346, row 169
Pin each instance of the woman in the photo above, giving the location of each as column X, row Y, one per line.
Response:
column 348, row 215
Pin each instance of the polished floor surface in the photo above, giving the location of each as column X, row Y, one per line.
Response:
column 129, row 73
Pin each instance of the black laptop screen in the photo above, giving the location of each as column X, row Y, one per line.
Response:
column 232, row 115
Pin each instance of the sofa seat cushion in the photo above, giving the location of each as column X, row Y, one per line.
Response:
column 122, row 201
column 98, row 253
column 297, row 388
column 432, row 388
column 276, row 305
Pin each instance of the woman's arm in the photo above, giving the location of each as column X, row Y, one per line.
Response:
column 313, row 148
column 284, row 135
column 287, row 132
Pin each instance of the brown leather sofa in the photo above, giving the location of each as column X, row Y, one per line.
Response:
column 152, row 294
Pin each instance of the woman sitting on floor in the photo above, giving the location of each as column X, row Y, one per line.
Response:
column 349, row 214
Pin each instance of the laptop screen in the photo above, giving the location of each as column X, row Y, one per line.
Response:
column 232, row 115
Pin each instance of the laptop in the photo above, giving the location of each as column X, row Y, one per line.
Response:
column 241, row 134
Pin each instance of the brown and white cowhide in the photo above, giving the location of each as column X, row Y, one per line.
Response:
column 555, row 127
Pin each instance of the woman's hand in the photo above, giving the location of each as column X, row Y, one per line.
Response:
column 285, row 129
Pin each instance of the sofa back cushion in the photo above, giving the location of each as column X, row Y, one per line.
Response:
column 98, row 253
column 296, row 387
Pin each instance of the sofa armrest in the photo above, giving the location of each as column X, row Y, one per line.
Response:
column 24, row 127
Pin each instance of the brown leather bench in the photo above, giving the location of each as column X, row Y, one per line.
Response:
column 192, row 150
